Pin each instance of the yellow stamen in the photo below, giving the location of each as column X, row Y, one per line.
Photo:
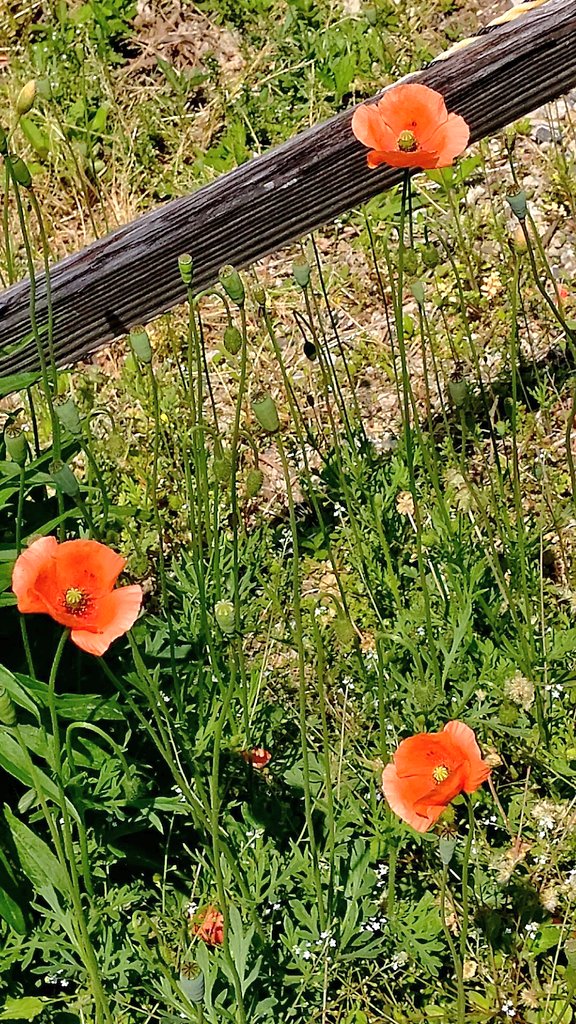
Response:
column 440, row 773
column 407, row 142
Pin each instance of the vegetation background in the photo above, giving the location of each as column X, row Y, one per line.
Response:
column 378, row 544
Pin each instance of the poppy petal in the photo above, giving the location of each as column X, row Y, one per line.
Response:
column 399, row 793
column 370, row 129
column 115, row 615
column 89, row 565
column 34, row 562
column 440, row 794
column 419, row 755
column 476, row 770
column 449, row 140
column 412, row 107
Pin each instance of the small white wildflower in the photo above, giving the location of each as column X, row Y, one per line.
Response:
column 508, row 1008
column 531, row 929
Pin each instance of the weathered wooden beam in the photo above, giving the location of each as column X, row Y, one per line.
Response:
column 131, row 275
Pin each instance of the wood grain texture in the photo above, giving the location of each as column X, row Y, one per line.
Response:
column 131, row 275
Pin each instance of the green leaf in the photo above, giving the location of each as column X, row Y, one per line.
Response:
column 14, row 760
column 36, row 137
column 37, row 861
column 11, row 912
column 16, row 381
column 22, row 1009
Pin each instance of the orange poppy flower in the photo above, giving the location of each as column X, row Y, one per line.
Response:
column 410, row 127
column 429, row 770
column 209, row 926
column 257, row 757
column 73, row 582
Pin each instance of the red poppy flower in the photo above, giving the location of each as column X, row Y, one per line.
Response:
column 74, row 583
column 410, row 127
column 429, row 770
column 257, row 757
column 209, row 926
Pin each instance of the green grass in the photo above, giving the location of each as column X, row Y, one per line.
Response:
column 397, row 555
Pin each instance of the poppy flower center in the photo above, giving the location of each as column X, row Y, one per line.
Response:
column 440, row 773
column 407, row 141
column 75, row 601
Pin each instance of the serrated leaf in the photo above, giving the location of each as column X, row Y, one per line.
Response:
column 37, row 861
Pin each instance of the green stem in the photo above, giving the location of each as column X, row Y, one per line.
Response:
column 458, row 970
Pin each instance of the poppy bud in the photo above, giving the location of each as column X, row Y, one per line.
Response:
column 310, row 351
column 64, row 478
column 254, row 482
column 371, row 15
column 3, row 142
column 223, row 468
column 16, row 444
column 224, row 615
column 519, row 243
column 265, row 411
column 7, row 712
column 517, row 204
column 232, row 340
column 67, row 414
column 418, row 292
column 301, row 272
column 186, row 266
column 20, row 172
column 232, row 284
column 344, row 630
column 140, row 342
column 26, row 97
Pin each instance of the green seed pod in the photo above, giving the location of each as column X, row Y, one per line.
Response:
column 301, row 272
column 7, row 712
column 430, row 256
column 67, row 414
column 224, row 615
column 186, row 268
column 20, row 172
column 410, row 262
column 265, row 411
column 458, row 388
column 16, row 444
column 26, row 98
column 140, row 343
column 259, row 296
column 254, row 482
column 223, row 468
column 518, row 206
column 232, row 340
column 64, row 478
column 232, row 284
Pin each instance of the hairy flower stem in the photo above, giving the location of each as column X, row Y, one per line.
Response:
column 19, row 518
column 458, row 968
column 465, row 880
column 303, row 713
column 103, row 1012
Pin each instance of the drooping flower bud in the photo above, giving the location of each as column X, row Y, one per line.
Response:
column 254, row 482
column 26, row 98
column 265, row 411
column 232, row 340
column 232, row 284
column 223, row 468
